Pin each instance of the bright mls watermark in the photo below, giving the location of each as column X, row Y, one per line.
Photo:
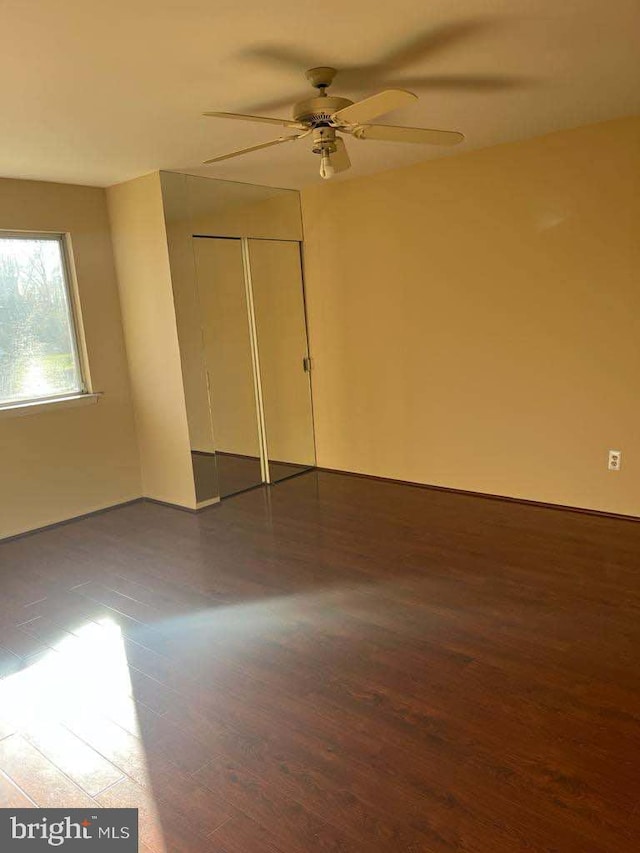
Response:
column 36, row 830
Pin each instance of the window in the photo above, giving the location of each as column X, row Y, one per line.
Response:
column 38, row 349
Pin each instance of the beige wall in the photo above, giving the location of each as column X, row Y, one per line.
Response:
column 475, row 321
column 148, row 315
column 64, row 462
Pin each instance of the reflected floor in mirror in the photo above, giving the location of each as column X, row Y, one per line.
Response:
column 232, row 473
column 331, row 664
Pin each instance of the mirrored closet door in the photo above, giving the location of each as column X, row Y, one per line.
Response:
column 227, row 354
column 278, row 306
column 255, row 352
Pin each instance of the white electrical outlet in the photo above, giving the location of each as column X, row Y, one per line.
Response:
column 615, row 460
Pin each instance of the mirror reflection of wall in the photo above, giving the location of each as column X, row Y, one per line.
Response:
column 226, row 346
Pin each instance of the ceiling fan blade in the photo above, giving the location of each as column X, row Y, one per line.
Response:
column 283, row 122
column 376, row 105
column 251, row 148
column 389, row 133
column 340, row 158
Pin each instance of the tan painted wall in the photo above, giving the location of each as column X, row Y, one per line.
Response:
column 65, row 462
column 142, row 263
column 475, row 321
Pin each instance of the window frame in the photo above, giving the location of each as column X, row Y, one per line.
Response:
column 74, row 317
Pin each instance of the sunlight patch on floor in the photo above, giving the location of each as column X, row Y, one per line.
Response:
column 71, row 711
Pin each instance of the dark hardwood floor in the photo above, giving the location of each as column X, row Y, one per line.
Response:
column 331, row 664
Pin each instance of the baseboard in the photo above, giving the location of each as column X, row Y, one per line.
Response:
column 487, row 495
column 100, row 511
column 169, row 505
column 70, row 520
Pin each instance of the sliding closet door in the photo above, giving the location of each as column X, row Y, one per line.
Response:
column 281, row 332
column 228, row 360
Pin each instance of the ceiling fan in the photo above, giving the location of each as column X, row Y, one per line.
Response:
column 323, row 116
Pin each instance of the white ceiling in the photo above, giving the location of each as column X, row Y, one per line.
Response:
column 99, row 92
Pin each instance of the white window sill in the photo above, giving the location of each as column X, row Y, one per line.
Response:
column 34, row 407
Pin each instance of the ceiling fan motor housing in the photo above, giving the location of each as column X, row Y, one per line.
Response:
column 318, row 111
column 324, row 139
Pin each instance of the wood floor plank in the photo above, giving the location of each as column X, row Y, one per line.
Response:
column 164, row 737
column 7, row 726
column 298, row 827
column 163, row 827
column 117, row 746
column 19, row 642
column 86, row 767
column 38, row 777
column 144, row 613
column 240, row 834
column 190, row 801
column 47, row 630
column 9, row 663
column 11, row 796
column 128, row 794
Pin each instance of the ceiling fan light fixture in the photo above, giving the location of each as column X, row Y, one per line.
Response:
column 326, row 166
